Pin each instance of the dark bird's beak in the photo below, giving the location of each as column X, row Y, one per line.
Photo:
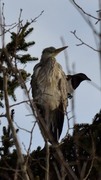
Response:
column 87, row 78
column 83, row 77
column 57, row 51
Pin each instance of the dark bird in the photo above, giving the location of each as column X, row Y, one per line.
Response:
column 74, row 81
column 50, row 91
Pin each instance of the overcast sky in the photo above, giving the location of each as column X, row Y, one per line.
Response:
column 58, row 19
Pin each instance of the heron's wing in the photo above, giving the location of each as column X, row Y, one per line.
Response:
column 56, row 122
column 33, row 82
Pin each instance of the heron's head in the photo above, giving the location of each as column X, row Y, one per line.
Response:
column 51, row 52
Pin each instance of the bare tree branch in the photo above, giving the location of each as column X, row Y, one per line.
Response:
column 16, row 104
column 83, row 12
column 47, row 160
column 66, row 57
column 19, row 153
column 82, row 42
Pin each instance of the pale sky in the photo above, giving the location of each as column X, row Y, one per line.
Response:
column 58, row 19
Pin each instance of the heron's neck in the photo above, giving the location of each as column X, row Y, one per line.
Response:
column 47, row 59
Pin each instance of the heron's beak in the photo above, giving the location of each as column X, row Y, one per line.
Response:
column 57, row 51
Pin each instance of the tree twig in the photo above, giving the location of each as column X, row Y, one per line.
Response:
column 82, row 42
column 82, row 10
column 47, row 160
column 16, row 104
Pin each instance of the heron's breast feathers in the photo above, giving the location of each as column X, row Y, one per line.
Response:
column 49, row 86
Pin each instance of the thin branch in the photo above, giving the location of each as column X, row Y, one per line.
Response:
column 3, row 115
column 57, row 171
column 100, row 41
column 8, row 30
column 19, row 103
column 68, row 125
column 28, row 153
column 63, row 173
column 35, row 19
column 47, row 160
column 82, row 10
column 87, row 20
column 95, row 85
column 83, row 170
column 61, row 160
column 73, row 100
column 19, row 22
column 82, row 42
column 66, row 56
column 30, row 143
column 23, row 129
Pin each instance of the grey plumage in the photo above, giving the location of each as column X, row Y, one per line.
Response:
column 50, row 91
